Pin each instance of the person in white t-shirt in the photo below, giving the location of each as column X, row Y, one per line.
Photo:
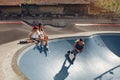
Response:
column 36, row 36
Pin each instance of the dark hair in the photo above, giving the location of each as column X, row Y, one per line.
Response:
column 81, row 39
column 39, row 24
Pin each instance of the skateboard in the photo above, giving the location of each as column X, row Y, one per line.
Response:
column 23, row 42
column 70, row 56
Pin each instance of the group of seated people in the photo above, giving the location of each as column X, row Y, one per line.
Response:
column 38, row 35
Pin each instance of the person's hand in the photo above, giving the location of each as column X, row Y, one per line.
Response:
column 78, row 50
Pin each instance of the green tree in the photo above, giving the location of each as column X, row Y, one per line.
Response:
column 112, row 5
column 28, row 1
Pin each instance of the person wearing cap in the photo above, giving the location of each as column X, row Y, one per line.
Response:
column 44, row 36
column 78, row 47
column 35, row 36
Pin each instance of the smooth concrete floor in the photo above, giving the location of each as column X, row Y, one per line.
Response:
column 100, row 54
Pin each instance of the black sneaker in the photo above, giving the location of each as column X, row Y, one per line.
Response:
column 23, row 42
column 69, row 52
column 72, row 63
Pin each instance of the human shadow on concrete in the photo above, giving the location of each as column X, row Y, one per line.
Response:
column 38, row 47
column 63, row 73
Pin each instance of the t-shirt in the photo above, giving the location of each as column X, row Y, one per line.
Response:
column 36, row 34
column 79, row 47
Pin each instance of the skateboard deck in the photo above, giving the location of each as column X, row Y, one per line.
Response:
column 22, row 42
column 70, row 57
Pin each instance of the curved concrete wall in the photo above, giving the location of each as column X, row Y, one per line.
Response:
column 96, row 58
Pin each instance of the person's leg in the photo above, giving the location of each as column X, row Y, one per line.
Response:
column 46, row 37
column 73, row 59
column 75, row 53
column 36, row 40
column 46, row 41
column 42, row 42
column 29, row 41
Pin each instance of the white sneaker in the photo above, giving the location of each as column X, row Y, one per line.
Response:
column 47, row 47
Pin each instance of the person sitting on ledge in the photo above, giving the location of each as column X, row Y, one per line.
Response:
column 44, row 36
column 35, row 36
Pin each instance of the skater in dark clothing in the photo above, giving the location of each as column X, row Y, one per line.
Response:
column 78, row 47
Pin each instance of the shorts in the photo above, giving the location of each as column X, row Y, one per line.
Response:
column 75, row 52
column 35, row 39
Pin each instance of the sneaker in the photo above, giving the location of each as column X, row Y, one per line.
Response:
column 36, row 42
column 47, row 47
column 41, row 47
column 68, row 51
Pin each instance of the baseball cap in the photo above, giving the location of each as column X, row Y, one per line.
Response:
column 35, row 27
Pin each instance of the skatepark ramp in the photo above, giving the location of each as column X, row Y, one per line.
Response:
column 99, row 60
column 13, row 30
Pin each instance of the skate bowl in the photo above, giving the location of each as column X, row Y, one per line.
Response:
column 99, row 60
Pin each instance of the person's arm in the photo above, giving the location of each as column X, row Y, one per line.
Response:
column 75, row 46
column 43, row 31
column 81, row 49
column 82, row 46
